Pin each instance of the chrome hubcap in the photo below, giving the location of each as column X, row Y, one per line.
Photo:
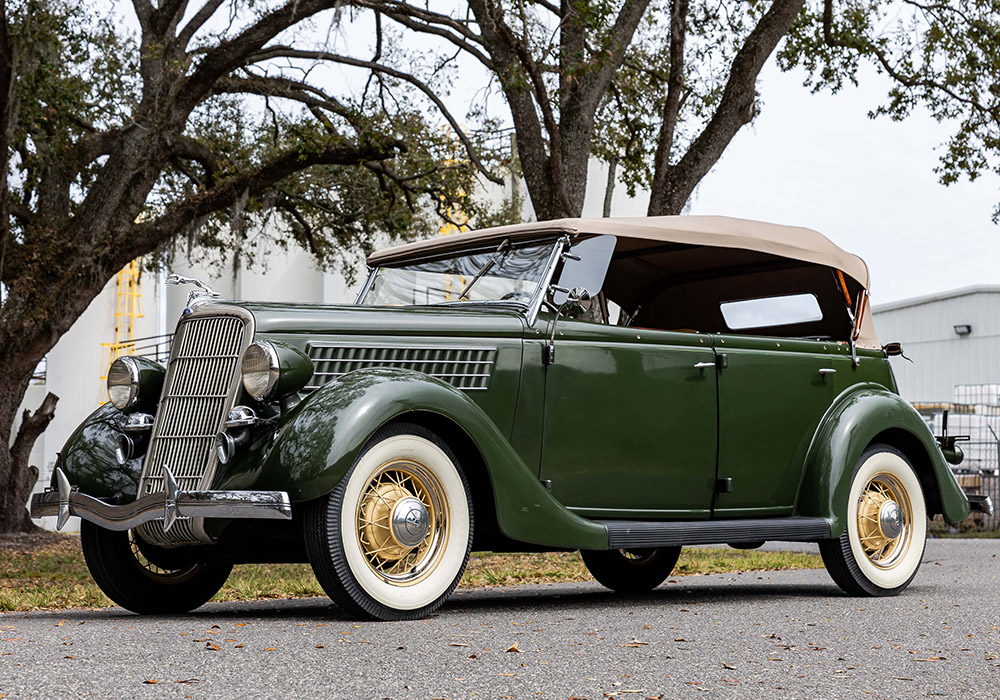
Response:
column 409, row 522
column 890, row 520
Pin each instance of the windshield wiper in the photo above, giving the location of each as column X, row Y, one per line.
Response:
column 498, row 255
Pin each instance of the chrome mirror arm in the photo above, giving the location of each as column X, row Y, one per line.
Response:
column 577, row 294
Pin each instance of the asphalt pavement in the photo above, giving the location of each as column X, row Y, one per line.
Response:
column 752, row 635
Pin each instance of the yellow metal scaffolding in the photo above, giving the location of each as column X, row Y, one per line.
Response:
column 128, row 309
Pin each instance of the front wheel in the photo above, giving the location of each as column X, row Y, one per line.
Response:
column 631, row 570
column 119, row 564
column 880, row 550
column 391, row 541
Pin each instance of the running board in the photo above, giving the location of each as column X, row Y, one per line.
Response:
column 635, row 534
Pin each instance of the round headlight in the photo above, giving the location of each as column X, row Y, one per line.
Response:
column 123, row 383
column 260, row 369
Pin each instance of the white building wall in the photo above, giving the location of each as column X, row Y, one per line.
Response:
column 942, row 359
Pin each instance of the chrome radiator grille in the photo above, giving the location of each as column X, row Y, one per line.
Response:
column 199, row 389
column 463, row 368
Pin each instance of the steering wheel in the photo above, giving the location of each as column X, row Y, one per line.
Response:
column 517, row 295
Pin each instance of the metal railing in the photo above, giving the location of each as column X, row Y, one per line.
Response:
column 977, row 416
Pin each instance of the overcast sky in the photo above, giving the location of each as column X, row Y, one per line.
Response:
column 869, row 185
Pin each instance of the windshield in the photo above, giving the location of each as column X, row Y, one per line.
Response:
column 514, row 276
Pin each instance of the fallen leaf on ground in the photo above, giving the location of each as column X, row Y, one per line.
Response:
column 271, row 649
column 727, row 666
column 212, row 645
column 458, row 644
column 513, row 647
column 320, row 646
column 635, row 643
column 188, row 681
column 150, row 682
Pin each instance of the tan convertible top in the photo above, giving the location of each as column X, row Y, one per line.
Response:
column 792, row 242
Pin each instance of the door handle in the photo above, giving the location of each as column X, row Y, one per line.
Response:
column 827, row 370
column 704, row 365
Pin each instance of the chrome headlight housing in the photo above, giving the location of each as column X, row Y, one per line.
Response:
column 135, row 383
column 123, row 383
column 272, row 370
column 260, row 369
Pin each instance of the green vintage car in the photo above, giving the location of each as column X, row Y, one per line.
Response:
column 622, row 387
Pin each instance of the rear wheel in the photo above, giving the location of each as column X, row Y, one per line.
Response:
column 880, row 550
column 391, row 541
column 130, row 579
column 631, row 570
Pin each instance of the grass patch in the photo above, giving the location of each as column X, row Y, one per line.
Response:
column 47, row 571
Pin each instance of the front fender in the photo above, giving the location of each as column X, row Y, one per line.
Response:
column 320, row 439
column 853, row 422
column 88, row 458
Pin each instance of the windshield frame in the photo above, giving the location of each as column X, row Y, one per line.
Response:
column 531, row 308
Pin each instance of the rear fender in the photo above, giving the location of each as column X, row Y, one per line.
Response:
column 320, row 439
column 859, row 417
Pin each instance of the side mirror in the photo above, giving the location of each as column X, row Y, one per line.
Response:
column 584, row 268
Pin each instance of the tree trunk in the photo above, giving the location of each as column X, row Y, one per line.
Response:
column 17, row 476
column 609, row 188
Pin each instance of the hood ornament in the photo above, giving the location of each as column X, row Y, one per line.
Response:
column 202, row 294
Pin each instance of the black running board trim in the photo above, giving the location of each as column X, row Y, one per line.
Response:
column 626, row 534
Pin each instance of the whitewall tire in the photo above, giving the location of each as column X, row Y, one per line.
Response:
column 882, row 546
column 392, row 540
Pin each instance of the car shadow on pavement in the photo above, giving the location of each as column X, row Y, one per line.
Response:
column 562, row 597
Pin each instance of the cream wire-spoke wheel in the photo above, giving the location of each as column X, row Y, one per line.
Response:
column 881, row 548
column 402, row 523
column 391, row 541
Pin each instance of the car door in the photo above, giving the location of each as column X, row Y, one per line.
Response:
column 629, row 423
column 773, row 392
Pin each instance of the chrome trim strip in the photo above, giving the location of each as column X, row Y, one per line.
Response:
column 535, row 306
column 356, row 343
column 261, row 505
column 367, row 285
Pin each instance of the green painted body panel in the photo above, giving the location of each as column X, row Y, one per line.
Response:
column 321, row 437
column 854, row 420
column 629, row 425
column 772, row 398
column 88, row 458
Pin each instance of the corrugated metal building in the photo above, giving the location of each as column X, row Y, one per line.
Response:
column 953, row 339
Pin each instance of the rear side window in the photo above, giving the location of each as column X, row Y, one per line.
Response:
column 766, row 312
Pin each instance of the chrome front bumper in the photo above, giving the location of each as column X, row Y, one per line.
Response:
column 168, row 506
column 980, row 504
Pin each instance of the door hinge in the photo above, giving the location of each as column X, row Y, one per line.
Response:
column 724, row 485
column 721, row 360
